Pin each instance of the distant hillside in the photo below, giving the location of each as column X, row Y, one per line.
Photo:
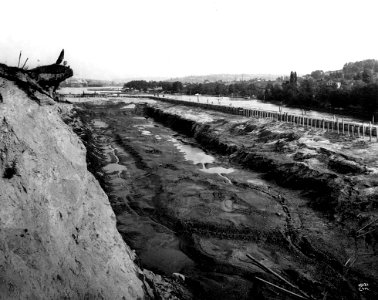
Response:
column 223, row 77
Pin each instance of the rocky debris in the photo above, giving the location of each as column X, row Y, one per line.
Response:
column 345, row 166
column 163, row 287
column 58, row 236
column 179, row 277
column 267, row 135
column 39, row 83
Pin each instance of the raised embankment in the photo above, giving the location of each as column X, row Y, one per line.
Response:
column 335, row 125
column 357, row 130
column 58, row 236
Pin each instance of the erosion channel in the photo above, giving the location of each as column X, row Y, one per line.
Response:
column 186, row 210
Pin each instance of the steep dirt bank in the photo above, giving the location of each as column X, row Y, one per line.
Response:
column 337, row 176
column 58, row 234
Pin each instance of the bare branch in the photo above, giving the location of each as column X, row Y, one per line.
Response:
column 265, row 268
column 367, row 225
column 25, row 63
column 280, row 288
column 19, row 59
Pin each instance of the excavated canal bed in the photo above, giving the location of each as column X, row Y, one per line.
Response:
column 186, row 210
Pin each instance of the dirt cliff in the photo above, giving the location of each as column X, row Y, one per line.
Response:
column 58, row 237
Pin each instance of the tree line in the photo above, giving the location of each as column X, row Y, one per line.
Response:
column 354, row 88
column 219, row 89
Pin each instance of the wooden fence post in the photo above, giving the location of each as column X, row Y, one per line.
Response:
column 337, row 124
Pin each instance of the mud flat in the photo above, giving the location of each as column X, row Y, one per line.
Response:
column 195, row 191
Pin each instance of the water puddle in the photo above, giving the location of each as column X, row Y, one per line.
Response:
column 220, row 171
column 99, row 124
column 130, row 106
column 111, row 168
column 193, row 154
column 146, row 132
column 197, row 156
column 147, row 126
column 139, row 126
column 257, row 181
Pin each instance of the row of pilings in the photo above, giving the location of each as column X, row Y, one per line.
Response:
column 357, row 130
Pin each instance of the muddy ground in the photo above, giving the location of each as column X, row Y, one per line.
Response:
column 196, row 191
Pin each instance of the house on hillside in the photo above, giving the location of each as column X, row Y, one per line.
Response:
column 333, row 83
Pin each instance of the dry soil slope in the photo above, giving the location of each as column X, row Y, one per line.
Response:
column 58, row 237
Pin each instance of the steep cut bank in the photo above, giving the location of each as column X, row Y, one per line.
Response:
column 58, row 234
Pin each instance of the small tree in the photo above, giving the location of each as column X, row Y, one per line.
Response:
column 318, row 74
column 366, row 76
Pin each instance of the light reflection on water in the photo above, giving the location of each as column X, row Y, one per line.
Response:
column 146, row 132
column 197, row 156
column 110, row 168
column 130, row 106
column 99, row 124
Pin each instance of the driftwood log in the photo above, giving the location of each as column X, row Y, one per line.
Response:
column 42, row 80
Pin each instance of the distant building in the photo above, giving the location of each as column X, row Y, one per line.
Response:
column 332, row 83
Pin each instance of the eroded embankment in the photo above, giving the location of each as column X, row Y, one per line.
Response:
column 337, row 177
column 58, row 238
column 181, row 219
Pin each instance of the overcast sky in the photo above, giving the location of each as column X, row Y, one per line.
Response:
column 112, row 39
